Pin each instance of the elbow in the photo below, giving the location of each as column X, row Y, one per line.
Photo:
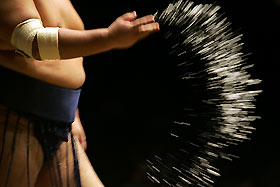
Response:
column 35, row 41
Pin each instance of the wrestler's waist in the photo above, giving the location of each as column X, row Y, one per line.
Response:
column 32, row 96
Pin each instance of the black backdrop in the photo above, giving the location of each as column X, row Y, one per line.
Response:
column 128, row 97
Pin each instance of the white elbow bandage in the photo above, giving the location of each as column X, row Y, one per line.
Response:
column 47, row 39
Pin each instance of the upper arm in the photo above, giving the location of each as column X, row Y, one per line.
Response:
column 13, row 12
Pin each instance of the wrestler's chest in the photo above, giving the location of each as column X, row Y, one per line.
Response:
column 59, row 13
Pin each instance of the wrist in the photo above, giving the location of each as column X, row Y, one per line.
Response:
column 101, row 36
column 110, row 38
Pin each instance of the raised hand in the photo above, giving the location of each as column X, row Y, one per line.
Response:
column 126, row 30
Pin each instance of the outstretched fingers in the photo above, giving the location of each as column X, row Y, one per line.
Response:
column 143, row 20
column 147, row 29
column 151, row 27
column 146, row 25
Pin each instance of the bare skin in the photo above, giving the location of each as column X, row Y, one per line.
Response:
column 67, row 73
column 74, row 44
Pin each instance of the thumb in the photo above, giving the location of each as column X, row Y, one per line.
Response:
column 130, row 16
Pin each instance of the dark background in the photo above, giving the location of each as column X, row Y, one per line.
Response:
column 127, row 99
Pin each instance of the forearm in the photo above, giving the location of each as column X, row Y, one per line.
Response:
column 77, row 43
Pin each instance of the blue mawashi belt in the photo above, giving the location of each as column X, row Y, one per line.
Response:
column 32, row 96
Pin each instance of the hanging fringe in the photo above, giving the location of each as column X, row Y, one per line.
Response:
column 4, row 135
column 76, row 161
column 27, row 153
column 13, row 151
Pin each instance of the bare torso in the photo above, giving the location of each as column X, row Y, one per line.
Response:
column 65, row 73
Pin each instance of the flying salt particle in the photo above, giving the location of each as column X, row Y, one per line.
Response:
column 220, row 104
